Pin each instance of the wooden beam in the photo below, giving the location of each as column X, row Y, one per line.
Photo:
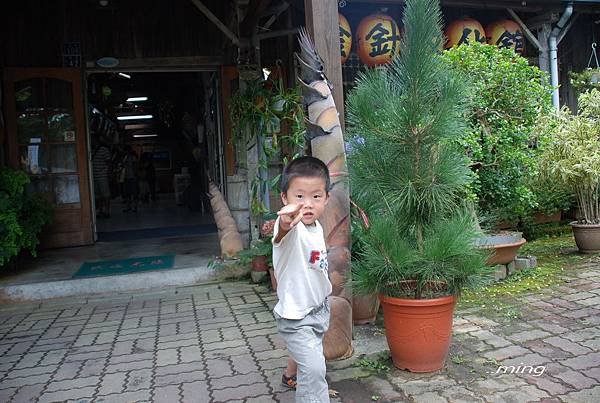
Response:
column 256, row 8
column 160, row 63
column 275, row 34
column 275, row 13
column 215, row 20
column 323, row 27
column 528, row 33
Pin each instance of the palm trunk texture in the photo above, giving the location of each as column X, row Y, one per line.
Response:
column 230, row 239
column 327, row 143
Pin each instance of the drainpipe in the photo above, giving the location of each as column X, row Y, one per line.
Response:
column 553, row 48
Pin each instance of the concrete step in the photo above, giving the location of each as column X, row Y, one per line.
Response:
column 117, row 283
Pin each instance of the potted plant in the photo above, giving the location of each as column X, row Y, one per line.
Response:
column 260, row 255
column 585, row 80
column 410, row 177
column 572, row 158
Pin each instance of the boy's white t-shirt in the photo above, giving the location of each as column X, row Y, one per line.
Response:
column 300, row 265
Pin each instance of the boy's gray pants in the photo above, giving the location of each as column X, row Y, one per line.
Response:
column 304, row 341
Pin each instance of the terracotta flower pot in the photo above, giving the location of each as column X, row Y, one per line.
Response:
column 541, row 218
column 503, row 248
column 418, row 331
column 505, row 253
column 364, row 309
column 260, row 263
column 587, row 237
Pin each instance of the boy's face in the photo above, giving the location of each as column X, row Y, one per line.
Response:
column 310, row 191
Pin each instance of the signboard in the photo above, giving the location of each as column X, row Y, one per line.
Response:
column 71, row 54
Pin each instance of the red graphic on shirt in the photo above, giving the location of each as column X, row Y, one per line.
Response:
column 314, row 256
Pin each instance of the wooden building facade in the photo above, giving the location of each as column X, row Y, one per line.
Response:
column 48, row 51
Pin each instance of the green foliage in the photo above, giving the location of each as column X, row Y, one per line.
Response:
column 271, row 117
column 408, row 174
column 572, row 153
column 378, row 365
column 507, row 96
column 550, row 196
column 585, row 80
column 22, row 216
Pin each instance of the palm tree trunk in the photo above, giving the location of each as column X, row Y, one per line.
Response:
column 327, row 144
column 230, row 239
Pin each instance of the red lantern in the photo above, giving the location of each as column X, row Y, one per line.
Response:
column 462, row 31
column 345, row 38
column 506, row 34
column 378, row 39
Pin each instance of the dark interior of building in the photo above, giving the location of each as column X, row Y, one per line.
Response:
column 168, row 122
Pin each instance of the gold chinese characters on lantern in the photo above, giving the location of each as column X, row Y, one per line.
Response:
column 506, row 34
column 378, row 39
column 462, row 31
column 345, row 38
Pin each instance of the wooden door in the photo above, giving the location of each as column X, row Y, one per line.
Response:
column 46, row 138
column 229, row 85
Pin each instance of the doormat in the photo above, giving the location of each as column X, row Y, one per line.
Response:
column 124, row 266
column 130, row 235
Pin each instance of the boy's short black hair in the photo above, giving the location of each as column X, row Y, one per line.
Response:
column 306, row 166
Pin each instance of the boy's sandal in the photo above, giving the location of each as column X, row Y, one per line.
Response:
column 289, row 382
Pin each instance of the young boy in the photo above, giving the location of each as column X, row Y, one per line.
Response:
column 300, row 262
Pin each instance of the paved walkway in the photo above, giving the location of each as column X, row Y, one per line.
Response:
column 218, row 343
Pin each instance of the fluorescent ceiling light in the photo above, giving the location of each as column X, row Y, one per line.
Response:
column 137, row 126
column 137, row 99
column 145, row 135
column 134, row 117
column 124, row 75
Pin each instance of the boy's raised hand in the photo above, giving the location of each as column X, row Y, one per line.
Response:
column 290, row 215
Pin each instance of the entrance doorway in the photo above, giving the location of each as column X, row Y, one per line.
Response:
column 155, row 142
column 159, row 224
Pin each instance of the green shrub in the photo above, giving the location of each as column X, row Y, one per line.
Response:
column 22, row 216
column 507, row 97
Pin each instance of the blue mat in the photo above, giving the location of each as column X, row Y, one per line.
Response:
column 156, row 232
column 125, row 266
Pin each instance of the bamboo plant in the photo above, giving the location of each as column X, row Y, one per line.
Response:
column 572, row 155
column 407, row 172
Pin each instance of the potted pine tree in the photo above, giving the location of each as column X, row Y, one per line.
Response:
column 410, row 177
column 572, row 157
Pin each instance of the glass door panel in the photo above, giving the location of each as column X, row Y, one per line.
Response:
column 45, row 116
column 46, row 135
column 59, row 94
column 33, row 159
column 31, row 127
column 29, row 95
column 61, row 127
column 66, row 189
column 41, row 185
column 64, row 158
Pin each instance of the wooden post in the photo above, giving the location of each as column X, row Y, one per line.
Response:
column 323, row 26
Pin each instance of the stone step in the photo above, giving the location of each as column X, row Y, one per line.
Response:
column 117, row 283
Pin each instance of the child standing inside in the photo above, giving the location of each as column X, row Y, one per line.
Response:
column 300, row 262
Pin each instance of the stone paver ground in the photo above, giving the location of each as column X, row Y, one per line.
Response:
column 218, row 343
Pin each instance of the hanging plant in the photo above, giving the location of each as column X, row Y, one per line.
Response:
column 271, row 117
column 585, row 80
